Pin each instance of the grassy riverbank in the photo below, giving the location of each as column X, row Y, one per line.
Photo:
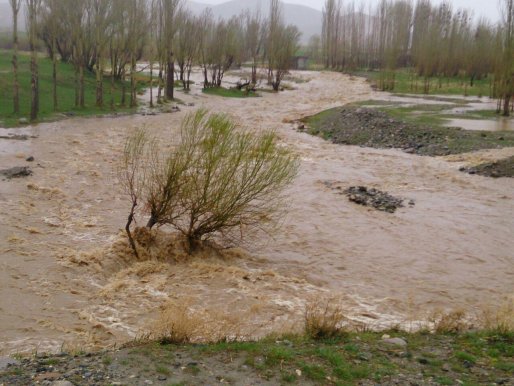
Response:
column 365, row 358
column 65, row 91
column 408, row 82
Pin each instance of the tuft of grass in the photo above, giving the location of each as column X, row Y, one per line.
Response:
column 324, row 319
column 313, row 371
column 161, row 369
column 464, row 356
column 450, row 322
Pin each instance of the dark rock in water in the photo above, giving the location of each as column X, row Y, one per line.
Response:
column 497, row 169
column 16, row 137
column 375, row 198
column 30, row 159
column 16, row 172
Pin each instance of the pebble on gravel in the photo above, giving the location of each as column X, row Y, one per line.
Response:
column 5, row 362
column 395, row 342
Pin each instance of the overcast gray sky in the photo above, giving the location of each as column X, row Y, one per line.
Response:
column 487, row 8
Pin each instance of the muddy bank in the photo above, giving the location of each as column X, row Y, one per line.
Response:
column 353, row 125
column 496, row 169
column 363, row 359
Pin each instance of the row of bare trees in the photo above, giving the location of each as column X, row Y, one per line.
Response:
column 434, row 40
column 109, row 38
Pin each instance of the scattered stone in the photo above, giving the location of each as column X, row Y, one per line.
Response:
column 162, row 378
column 23, row 121
column 16, row 172
column 47, row 376
column 467, row 364
column 371, row 127
column 446, row 367
column 30, row 159
column 62, row 383
column 375, row 198
column 5, row 362
column 395, row 342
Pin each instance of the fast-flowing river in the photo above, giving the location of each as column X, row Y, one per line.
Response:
column 60, row 284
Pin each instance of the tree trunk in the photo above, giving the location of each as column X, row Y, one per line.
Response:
column 151, row 84
column 81, row 86
column 16, row 86
column 34, row 78
column 34, row 86
column 127, row 229
column 133, row 82
column 54, row 78
column 170, row 78
column 77, row 87
column 506, row 105
column 159, row 88
column 99, row 83
column 123, row 89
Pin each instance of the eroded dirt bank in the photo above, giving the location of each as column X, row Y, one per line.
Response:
column 62, row 280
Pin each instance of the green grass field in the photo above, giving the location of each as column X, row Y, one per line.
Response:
column 65, row 90
column 408, row 83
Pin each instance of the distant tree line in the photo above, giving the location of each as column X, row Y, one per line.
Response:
column 433, row 40
column 109, row 37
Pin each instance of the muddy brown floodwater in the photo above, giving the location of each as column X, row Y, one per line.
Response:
column 62, row 281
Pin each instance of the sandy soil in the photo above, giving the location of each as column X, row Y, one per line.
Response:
column 62, row 280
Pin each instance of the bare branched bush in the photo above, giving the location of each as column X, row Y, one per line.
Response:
column 217, row 181
column 324, row 319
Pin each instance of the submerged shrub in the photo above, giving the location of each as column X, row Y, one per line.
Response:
column 217, row 181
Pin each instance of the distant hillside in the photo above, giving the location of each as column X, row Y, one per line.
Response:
column 308, row 20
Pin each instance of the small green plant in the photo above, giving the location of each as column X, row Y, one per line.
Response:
column 464, row 356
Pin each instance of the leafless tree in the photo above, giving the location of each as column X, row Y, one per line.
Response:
column 15, row 7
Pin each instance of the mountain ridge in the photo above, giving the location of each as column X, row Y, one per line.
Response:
column 308, row 20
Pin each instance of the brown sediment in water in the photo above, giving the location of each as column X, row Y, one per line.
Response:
column 67, row 276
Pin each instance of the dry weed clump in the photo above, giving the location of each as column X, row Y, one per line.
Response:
column 450, row 322
column 324, row 319
column 181, row 323
column 500, row 319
